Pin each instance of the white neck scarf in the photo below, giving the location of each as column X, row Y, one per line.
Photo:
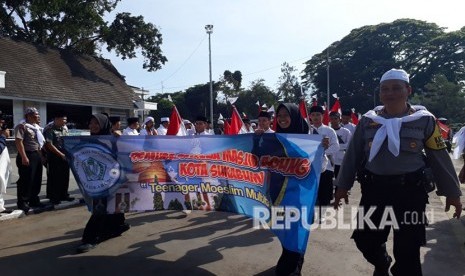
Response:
column 391, row 129
column 38, row 132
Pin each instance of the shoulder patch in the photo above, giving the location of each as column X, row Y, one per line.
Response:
column 435, row 141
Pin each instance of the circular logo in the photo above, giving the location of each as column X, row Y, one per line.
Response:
column 98, row 171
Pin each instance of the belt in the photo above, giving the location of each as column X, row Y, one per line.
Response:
column 407, row 178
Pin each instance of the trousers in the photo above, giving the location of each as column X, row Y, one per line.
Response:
column 396, row 202
column 57, row 177
column 30, row 178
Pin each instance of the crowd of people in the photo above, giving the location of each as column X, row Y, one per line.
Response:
column 389, row 152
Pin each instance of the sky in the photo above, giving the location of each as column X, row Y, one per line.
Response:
column 257, row 36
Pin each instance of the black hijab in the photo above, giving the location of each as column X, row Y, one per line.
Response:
column 298, row 124
column 104, row 123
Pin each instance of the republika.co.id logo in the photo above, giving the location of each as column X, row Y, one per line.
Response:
column 98, row 171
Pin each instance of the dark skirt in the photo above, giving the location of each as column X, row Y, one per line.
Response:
column 103, row 227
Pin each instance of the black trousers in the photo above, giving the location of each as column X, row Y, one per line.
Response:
column 57, row 178
column 30, row 178
column 325, row 188
column 400, row 201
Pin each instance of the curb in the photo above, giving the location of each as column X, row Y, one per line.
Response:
column 49, row 207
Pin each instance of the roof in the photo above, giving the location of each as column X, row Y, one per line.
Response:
column 38, row 73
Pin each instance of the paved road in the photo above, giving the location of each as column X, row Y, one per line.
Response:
column 202, row 243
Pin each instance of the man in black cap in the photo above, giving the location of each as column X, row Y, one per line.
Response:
column 201, row 126
column 331, row 145
column 133, row 125
column 57, row 165
column 248, row 126
column 346, row 121
column 264, row 122
column 115, row 124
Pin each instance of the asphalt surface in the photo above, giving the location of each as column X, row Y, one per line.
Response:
column 200, row 243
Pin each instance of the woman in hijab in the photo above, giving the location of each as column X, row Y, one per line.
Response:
column 288, row 120
column 101, row 226
column 148, row 128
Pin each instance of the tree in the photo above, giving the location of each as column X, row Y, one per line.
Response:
column 231, row 83
column 289, row 89
column 358, row 60
column 257, row 91
column 79, row 26
column 443, row 98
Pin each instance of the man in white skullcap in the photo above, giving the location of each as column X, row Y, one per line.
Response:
column 387, row 152
column 164, row 123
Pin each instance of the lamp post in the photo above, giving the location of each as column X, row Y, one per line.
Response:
column 327, row 77
column 209, row 29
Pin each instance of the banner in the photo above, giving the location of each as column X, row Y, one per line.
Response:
column 248, row 174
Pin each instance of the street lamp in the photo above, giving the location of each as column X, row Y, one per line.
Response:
column 328, row 60
column 209, row 29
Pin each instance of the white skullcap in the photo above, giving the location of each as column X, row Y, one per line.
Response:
column 395, row 74
column 149, row 118
column 165, row 119
column 186, row 122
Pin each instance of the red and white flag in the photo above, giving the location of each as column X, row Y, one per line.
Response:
column 227, row 127
column 176, row 126
column 326, row 116
column 303, row 109
column 237, row 125
column 354, row 117
column 336, row 106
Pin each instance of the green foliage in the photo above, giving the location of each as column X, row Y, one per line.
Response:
column 443, row 98
column 289, row 89
column 231, row 83
column 359, row 59
column 79, row 25
column 248, row 98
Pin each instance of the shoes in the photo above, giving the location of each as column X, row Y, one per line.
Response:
column 124, row 227
column 85, row 247
column 68, row 198
column 55, row 201
column 384, row 270
column 24, row 206
column 6, row 211
column 37, row 205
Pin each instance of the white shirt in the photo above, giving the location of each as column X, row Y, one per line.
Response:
column 202, row 133
column 333, row 148
column 162, row 130
column 269, row 131
column 351, row 127
column 345, row 135
column 143, row 132
column 130, row 131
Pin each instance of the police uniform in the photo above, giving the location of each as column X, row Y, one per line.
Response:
column 397, row 181
column 30, row 177
column 57, row 167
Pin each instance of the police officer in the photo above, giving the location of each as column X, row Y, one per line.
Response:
column 57, row 168
column 387, row 151
column 29, row 141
